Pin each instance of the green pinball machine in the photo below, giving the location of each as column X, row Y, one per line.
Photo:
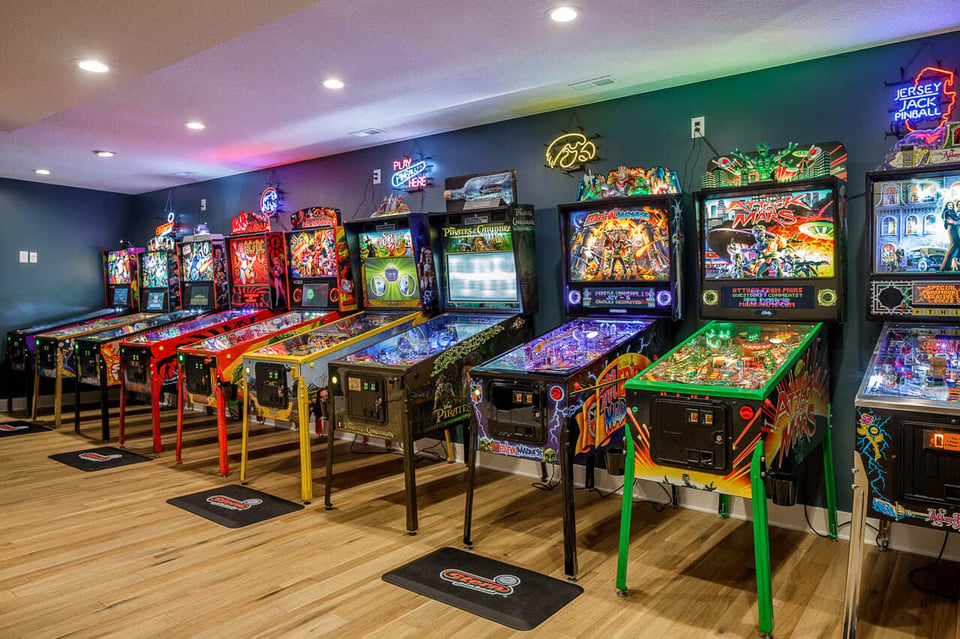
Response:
column 741, row 405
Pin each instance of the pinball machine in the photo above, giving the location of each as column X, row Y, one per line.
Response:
column 559, row 398
column 99, row 354
column 148, row 361
column 415, row 383
column 22, row 342
column 210, row 370
column 287, row 381
column 741, row 406
column 907, row 449
column 54, row 353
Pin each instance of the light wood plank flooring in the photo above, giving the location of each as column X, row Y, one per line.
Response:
column 102, row 554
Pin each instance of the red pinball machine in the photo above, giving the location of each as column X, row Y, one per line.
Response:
column 257, row 256
column 148, row 361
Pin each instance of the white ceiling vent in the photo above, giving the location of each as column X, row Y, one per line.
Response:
column 593, row 83
column 365, row 133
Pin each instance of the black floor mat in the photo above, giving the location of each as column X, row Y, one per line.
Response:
column 99, row 458
column 515, row 597
column 234, row 506
column 20, row 427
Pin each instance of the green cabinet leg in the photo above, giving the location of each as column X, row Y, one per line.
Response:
column 723, row 508
column 761, row 539
column 626, row 512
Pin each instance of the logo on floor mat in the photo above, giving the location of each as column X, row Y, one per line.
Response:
column 502, row 585
column 10, row 428
column 97, row 457
column 233, row 504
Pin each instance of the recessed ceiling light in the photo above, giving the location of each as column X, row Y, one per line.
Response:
column 104, row 154
column 93, row 66
column 195, row 125
column 564, row 14
column 333, row 83
column 42, row 171
column 365, row 133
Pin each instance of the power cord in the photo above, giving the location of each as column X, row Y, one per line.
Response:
column 933, row 591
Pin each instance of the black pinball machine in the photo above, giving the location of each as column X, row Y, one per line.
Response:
column 907, row 451
column 415, row 383
column 560, row 398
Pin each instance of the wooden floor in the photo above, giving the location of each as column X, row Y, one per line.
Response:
column 102, row 554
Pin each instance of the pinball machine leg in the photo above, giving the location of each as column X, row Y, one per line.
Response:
column 858, row 514
column 829, row 479
column 449, row 445
column 181, row 392
column 36, row 393
column 306, row 467
column 122, row 421
column 58, row 392
column 570, row 567
column 761, row 540
column 76, row 401
column 470, row 458
column 543, row 472
column 328, row 480
column 27, row 390
column 410, row 476
column 104, row 400
column 244, row 434
column 626, row 513
column 156, row 388
column 723, row 507
column 222, row 429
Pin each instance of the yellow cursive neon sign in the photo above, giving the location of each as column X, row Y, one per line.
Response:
column 569, row 150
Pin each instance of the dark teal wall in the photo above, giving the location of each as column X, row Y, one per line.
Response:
column 67, row 228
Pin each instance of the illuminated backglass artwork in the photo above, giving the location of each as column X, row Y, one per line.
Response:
column 197, row 261
column 480, row 264
column 611, row 245
column 769, row 235
column 248, row 261
column 917, row 224
column 155, row 269
column 312, row 253
column 389, row 270
column 118, row 267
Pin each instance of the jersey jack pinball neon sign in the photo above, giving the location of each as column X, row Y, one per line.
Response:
column 927, row 102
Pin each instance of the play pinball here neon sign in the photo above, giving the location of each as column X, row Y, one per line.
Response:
column 927, row 103
column 409, row 175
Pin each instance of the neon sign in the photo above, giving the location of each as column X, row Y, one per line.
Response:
column 270, row 201
column 570, row 150
column 927, row 102
column 409, row 175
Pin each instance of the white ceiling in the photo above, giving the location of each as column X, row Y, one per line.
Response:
column 251, row 69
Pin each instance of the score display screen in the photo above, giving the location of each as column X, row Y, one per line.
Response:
column 118, row 267
column 389, row 269
column 619, row 245
column 917, row 224
column 480, row 263
column 770, row 235
column 155, row 269
column 121, row 296
column 316, row 294
column 197, row 261
column 312, row 253
column 155, row 300
column 200, row 296
column 620, row 297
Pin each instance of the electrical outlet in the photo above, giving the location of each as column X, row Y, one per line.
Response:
column 203, row 204
column 698, row 127
column 376, row 176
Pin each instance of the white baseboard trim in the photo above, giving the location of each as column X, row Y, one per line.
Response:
column 46, row 401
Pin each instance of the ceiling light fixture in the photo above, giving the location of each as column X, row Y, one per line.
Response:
column 104, row 154
column 42, row 171
column 93, row 66
column 565, row 13
column 333, row 83
column 196, row 125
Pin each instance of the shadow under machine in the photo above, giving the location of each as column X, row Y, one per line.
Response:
column 287, row 381
column 482, row 253
column 907, row 452
column 22, row 342
column 740, row 406
column 148, row 361
column 559, row 398
column 55, row 355
column 210, row 371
